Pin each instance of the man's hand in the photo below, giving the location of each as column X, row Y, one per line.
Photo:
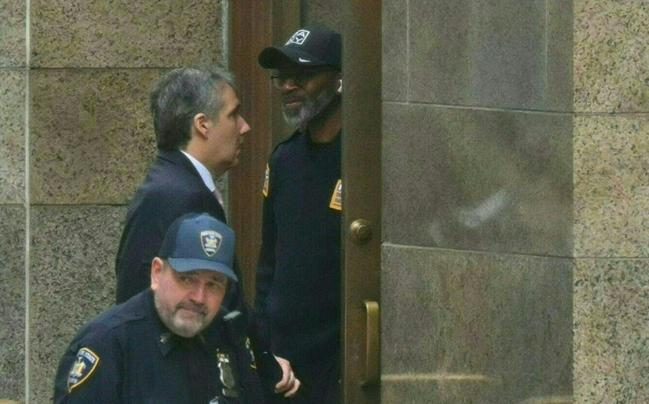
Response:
column 289, row 384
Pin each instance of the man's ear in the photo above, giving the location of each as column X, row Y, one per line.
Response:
column 201, row 123
column 339, row 85
column 157, row 266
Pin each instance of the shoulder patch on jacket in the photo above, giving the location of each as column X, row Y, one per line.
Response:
column 82, row 368
column 336, row 202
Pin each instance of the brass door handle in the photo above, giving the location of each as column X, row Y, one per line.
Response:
column 361, row 231
column 372, row 347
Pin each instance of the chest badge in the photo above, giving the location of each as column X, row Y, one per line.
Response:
column 82, row 368
column 266, row 181
column 226, row 374
column 336, row 202
column 253, row 363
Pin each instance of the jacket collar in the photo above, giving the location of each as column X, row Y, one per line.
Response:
column 178, row 158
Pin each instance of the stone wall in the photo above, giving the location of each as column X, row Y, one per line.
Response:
column 478, row 211
column 515, row 254
column 611, row 201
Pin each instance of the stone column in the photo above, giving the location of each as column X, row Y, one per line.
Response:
column 516, row 144
column 89, row 140
column 477, row 281
column 611, row 201
column 13, row 79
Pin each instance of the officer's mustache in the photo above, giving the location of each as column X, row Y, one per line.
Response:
column 195, row 307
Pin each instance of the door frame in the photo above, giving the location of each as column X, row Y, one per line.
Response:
column 362, row 185
column 254, row 25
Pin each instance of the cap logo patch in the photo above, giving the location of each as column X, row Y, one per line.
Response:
column 211, row 242
column 299, row 37
column 82, row 368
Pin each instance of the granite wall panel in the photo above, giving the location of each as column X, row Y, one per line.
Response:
column 508, row 54
column 91, row 134
column 611, row 56
column 72, row 280
column 146, row 33
column 611, row 185
column 12, row 302
column 478, row 180
column 12, row 136
column 499, row 324
column 611, row 328
column 395, row 51
column 12, row 33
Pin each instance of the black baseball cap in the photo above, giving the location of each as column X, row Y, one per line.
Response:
column 197, row 241
column 308, row 46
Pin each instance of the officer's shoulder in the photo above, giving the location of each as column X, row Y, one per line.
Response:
column 287, row 143
column 111, row 320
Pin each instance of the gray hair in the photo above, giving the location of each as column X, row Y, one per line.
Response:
column 181, row 94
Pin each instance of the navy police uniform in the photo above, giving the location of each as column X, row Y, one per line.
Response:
column 298, row 275
column 127, row 355
column 172, row 188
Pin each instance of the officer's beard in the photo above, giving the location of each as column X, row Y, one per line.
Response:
column 180, row 320
column 310, row 108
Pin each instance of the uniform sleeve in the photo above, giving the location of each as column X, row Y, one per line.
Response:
column 266, row 263
column 90, row 372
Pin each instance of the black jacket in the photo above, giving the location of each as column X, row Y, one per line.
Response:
column 171, row 189
column 297, row 303
column 127, row 355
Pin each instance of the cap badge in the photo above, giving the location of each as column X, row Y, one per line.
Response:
column 299, row 37
column 211, row 242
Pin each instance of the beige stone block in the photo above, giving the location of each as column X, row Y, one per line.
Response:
column 611, row 329
column 394, row 44
column 501, row 54
column 611, row 193
column 467, row 325
column 12, row 302
column 91, row 134
column 12, row 33
column 611, row 56
column 477, row 179
column 440, row 389
column 72, row 280
column 142, row 33
column 12, row 136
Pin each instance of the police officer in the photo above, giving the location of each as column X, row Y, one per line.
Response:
column 170, row 343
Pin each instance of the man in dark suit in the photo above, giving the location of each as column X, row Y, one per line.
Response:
column 199, row 131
